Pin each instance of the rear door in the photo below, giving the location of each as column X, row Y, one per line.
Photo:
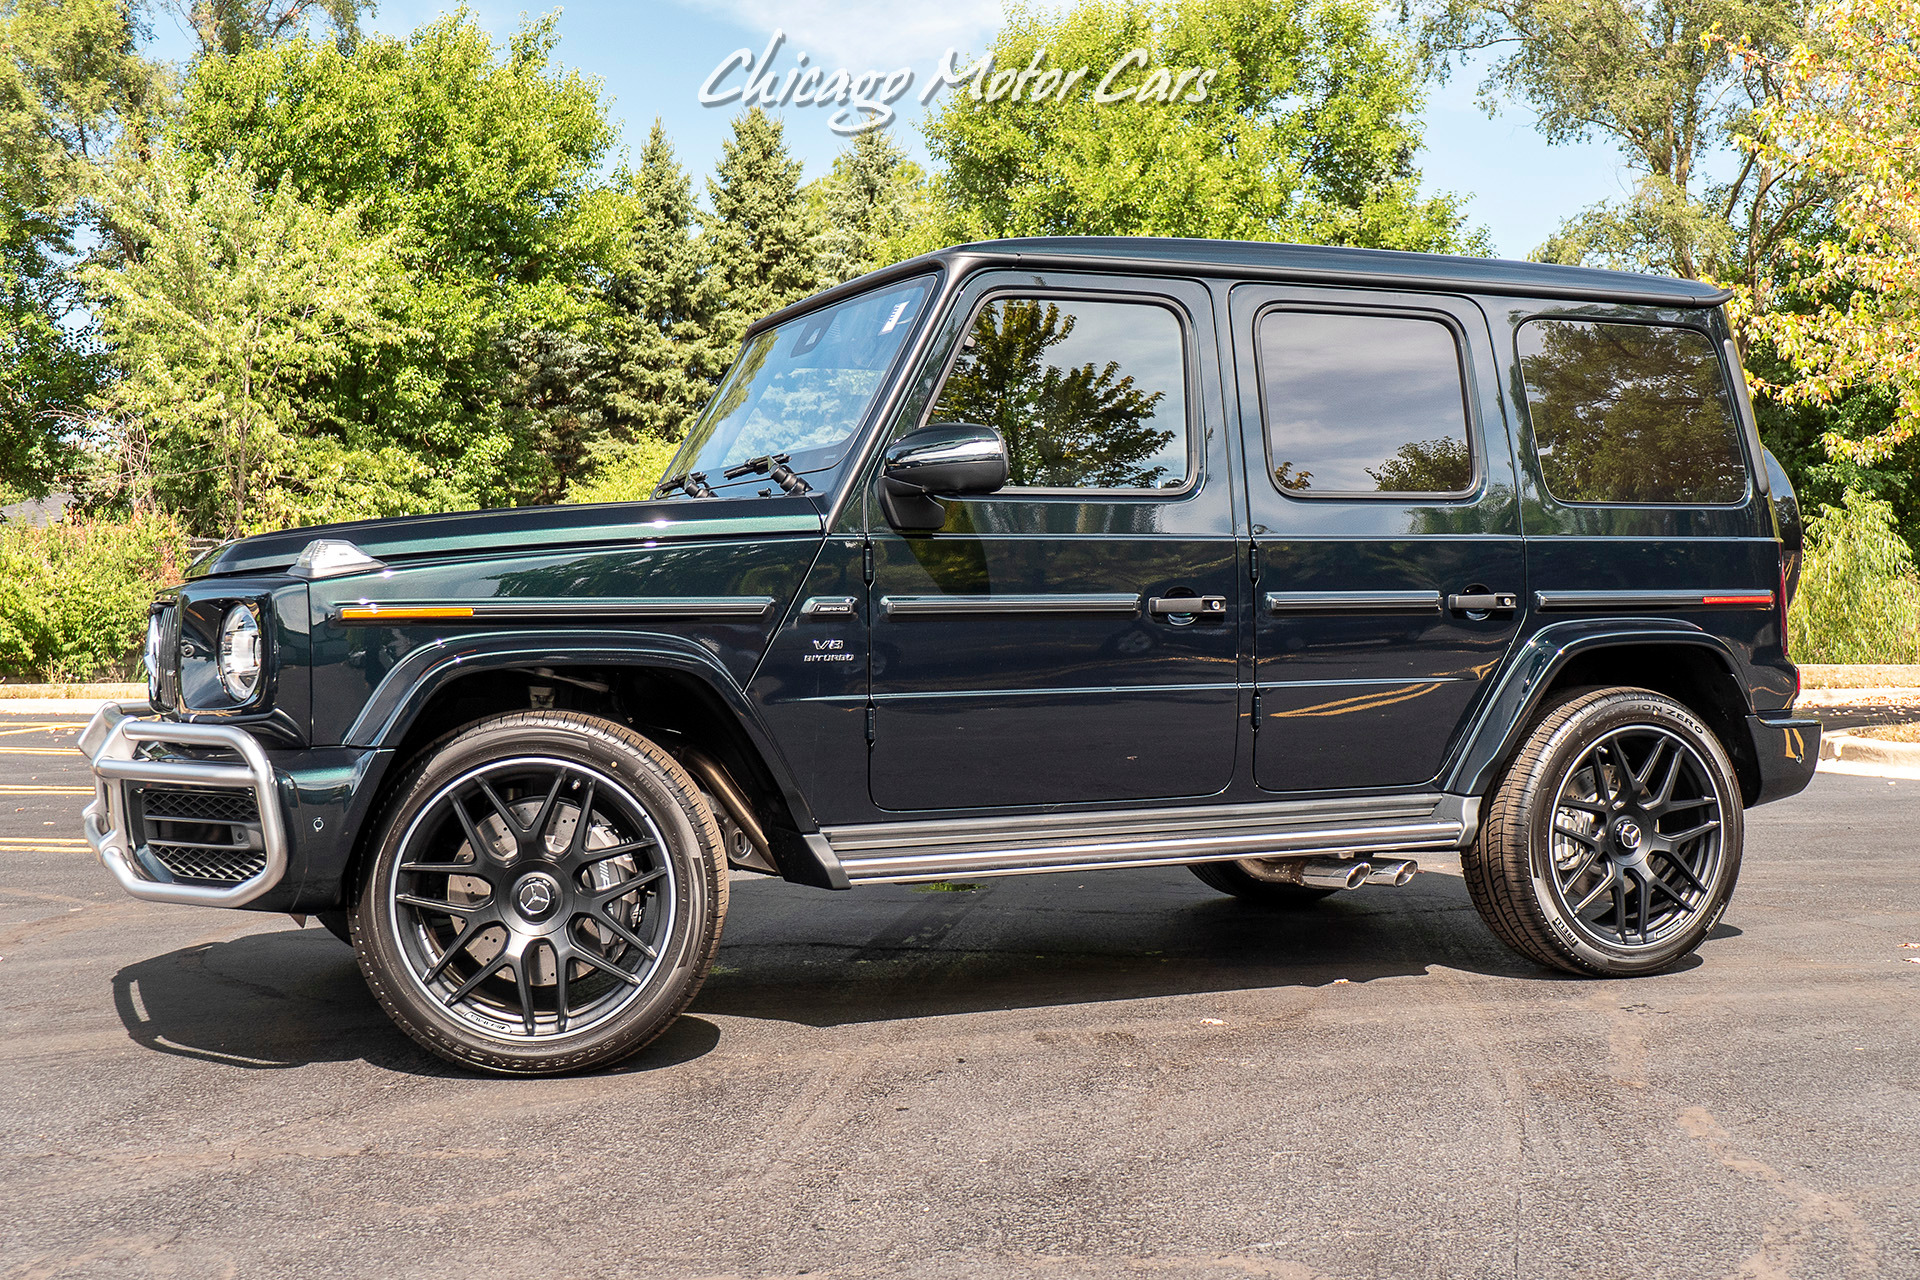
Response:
column 1386, row 535
column 1074, row 637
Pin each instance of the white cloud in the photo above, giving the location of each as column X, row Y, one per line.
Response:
column 861, row 34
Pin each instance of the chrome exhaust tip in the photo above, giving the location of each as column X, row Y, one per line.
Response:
column 1334, row 873
column 1393, row 871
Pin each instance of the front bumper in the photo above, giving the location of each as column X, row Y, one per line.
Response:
column 124, row 748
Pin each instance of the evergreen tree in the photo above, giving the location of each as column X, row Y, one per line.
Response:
column 866, row 206
column 761, row 233
column 661, row 363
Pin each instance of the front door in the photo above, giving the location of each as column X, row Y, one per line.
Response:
column 1072, row 638
column 1387, row 538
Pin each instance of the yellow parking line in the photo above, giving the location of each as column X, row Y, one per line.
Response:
column 45, row 791
column 49, row 846
column 39, row 751
column 15, row 730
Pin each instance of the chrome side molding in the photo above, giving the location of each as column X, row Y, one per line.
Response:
column 373, row 614
column 1353, row 602
column 1699, row 598
column 981, row 606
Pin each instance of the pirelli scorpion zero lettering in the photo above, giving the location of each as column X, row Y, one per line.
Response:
column 1289, row 565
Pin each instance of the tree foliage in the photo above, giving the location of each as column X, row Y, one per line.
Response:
column 869, row 208
column 1649, row 77
column 760, row 234
column 1306, row 132
column 237, row 301
column 1849, row 112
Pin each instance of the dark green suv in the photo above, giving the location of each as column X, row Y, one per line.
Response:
column 1281, row 563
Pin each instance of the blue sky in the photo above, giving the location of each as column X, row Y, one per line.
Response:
column 653, row 56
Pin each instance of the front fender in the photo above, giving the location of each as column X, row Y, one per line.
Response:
column 410, row 685
column 1507, row 715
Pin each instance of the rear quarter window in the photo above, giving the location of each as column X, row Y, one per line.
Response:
column 1636, row 414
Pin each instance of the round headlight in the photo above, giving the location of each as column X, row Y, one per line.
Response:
column 240, row 653
column 153, row 661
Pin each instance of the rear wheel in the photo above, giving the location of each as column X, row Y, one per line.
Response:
column 1256, row 880
column 547, row 895
column 1612, row 844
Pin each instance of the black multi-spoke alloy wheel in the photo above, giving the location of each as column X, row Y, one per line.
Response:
column 1612, row 843
column 546, row 895
column 1253, row 880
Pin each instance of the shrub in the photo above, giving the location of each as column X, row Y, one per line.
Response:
column 73, row 597
column 1859, row 597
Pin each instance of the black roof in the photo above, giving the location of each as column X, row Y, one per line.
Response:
column 1308, row 264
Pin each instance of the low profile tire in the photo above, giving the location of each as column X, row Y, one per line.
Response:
column 1250, row 880
column 1612, row 843
column 546, row 895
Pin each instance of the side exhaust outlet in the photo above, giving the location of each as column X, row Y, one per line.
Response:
column 1393, row 871
column 1333, row 873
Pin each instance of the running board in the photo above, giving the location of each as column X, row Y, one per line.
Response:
column 905, row 852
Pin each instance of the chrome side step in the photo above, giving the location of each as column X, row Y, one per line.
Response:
column 904, row 852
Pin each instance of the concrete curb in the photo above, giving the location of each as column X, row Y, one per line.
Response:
column 1851, row 748
column 95, row 692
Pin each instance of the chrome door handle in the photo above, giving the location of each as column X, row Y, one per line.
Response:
column 1187, row 606
column 1487, row 602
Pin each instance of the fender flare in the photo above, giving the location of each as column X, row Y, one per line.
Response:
column 1507, row 712
column 412, row 682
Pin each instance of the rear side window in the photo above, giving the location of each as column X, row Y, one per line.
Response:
column 1359, row 404
column 1087, row 394
column 1630, row 413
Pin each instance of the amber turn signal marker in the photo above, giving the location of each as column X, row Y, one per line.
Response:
column 378, row 613
column 1752, row 600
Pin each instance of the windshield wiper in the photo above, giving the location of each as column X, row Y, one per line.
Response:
column 774, row 464
column 771, row 464
column 692, row 483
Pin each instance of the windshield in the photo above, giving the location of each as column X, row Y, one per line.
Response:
column 801, row 388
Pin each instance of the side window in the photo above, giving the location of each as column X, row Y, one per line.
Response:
column 1630, row 413
column 1360, row 404
column 1088, row 395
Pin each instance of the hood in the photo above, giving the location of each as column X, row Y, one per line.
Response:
column 514, row 529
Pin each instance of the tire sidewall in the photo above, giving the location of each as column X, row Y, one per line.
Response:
column 692, row 850
column 1565, row 745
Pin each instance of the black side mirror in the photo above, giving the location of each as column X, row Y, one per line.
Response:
column 946, row 459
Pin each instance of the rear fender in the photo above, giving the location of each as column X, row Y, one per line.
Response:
column 1507, row 715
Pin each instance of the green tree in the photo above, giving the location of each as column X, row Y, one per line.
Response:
column 227, row 27
column 483, row 165
column 662, row 362
column 1652, row 78
column 1305, row 130
column 74, row 94
column 238, row 299
column 867, row 207
column 760, row 235
column 1085, row 425
column 1440, row 465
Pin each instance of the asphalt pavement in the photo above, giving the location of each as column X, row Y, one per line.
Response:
column 1117, row 1074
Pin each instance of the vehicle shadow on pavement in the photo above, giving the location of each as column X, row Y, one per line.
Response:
column 291, row 998
column 882, row 953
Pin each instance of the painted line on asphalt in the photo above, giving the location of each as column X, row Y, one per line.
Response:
column 41, row 846
column 45, row 791
column 39, row 751
column 16, row 730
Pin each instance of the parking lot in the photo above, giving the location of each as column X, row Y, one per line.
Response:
column 1049, row 1075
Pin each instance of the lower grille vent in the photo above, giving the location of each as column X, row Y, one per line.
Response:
column 205, row 835
column 214, row 866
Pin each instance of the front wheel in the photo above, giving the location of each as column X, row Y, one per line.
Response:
column 1612, row 843
column 546, row 896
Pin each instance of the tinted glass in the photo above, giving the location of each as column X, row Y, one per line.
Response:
column 802, row 388
column 1632, row 413
column 1363, row 404
column 1089, row 395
